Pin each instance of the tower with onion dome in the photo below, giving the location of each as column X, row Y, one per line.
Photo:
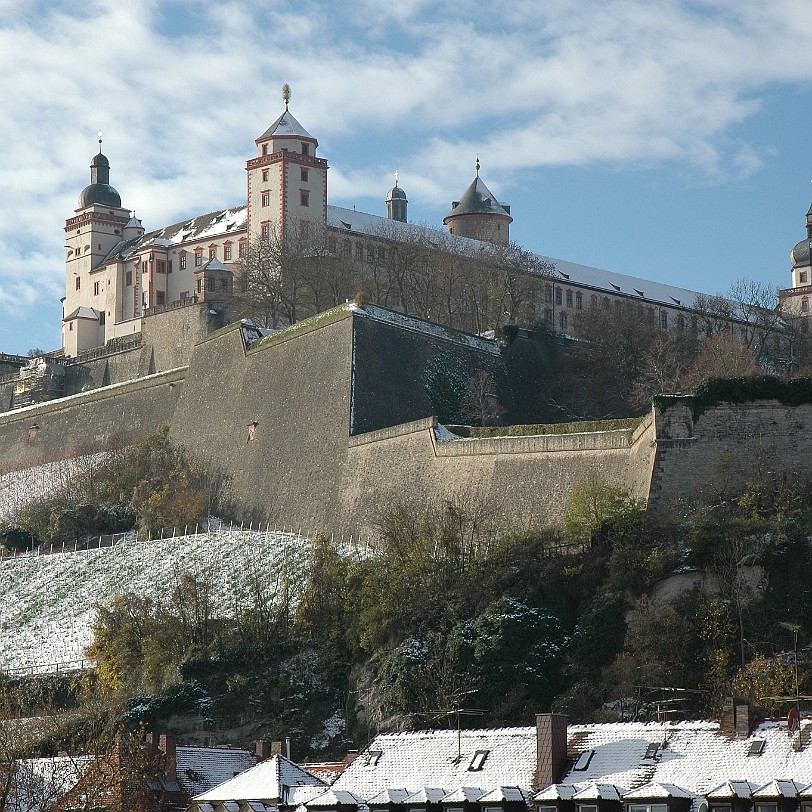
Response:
column 96, row 227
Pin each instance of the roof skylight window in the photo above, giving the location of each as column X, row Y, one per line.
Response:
column 478, row 760
column 583, row 760
column 651, row 750
column 373, row 757
column 756, row 747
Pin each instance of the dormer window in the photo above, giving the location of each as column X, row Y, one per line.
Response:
column 647, row 808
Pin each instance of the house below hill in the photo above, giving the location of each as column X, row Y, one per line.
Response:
column 740, row 764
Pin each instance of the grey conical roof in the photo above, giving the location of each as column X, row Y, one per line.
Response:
column 477, row 199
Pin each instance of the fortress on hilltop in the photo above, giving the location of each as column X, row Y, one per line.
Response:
column 326, row 420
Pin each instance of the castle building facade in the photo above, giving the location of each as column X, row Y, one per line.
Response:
column 118, row 274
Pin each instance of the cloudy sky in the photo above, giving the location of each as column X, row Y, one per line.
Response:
column 667, row 139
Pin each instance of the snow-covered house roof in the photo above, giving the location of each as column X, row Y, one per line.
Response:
column 200, row 769
column 39, row 782
column 273, row 780
column 683, row 760
column 479, row 760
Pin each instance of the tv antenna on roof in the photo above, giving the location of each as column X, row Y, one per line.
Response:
column 455, row 711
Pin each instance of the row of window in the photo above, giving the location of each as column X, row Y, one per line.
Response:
column 305, row 148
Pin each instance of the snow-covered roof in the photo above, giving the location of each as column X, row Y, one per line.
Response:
column 271, row 780
column 286, row 125
column 693, row 758
column 598, row 279
column 200, row 769
column 83, row 313
column 214, row 264
column 335, row 797
column 481, row 759
column 39, row 782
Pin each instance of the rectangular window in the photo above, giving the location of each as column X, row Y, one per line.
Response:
column 200, row 286
column 569, row 298
column 160, row 266
column 78, row 283
column 101, row 319
column 160, row 297
column 563, row 320
column 579, row 301
column 548, row 293
column 305, row 149
column 359, row 252
column 265, row 174
column 226, row 252
column 805, row 304
column 224, row 283
column 266, row 231
column 266, row 198
column 381, row 255
column 183, row 261
column 211, row 284
column 548, row 315
column 212, row 253
column 663, row 319
column 370, row 255
column 128, row 279
column 558, row 296
column 198, row 258
column 680, row 321
column 243, row 249
column 802, row 277
column 264, row 149
column 304, row 197
column 95, row 288
column 304, row 175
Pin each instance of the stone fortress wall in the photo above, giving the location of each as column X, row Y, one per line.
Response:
column 342, row 427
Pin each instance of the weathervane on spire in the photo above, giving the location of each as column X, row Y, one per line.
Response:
column 286, row 94
column 477, row 165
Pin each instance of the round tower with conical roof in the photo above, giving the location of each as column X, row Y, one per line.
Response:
column 479, row 215
column 287, row 182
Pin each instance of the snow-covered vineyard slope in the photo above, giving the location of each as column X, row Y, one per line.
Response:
column 47, row 601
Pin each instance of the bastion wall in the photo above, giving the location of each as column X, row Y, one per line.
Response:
column 323, row 427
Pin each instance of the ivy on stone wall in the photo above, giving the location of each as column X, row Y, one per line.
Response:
column 715, row 391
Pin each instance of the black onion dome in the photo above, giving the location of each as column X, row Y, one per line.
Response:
column 800, row 255
column 100, row 191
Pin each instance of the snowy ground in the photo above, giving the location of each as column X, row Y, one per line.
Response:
column 47, row 601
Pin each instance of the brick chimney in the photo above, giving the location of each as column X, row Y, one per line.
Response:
column 737, row 718
column 263, row 750
column 551, row 748
column 168, row 746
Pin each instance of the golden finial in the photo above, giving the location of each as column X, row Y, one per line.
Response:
column 286, row 94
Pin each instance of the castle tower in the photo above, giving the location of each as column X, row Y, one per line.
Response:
column 287, row 183
column 801, row 258
column 396, row 203
column 95, row 229
column 479, row 215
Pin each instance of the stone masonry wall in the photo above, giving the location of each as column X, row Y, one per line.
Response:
column 88, row 422
column 726, row 447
